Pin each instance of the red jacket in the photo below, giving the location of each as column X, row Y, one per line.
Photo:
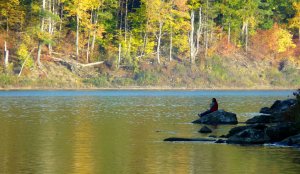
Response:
column 214, row 107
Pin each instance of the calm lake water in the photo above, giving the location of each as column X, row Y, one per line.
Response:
column 122, row 132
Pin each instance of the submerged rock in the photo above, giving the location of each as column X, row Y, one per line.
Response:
column 218, row 117
column 205, row 129
column 220, row 141
column 291, row 141
column 189, row 139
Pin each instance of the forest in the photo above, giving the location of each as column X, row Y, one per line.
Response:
column 150, row 43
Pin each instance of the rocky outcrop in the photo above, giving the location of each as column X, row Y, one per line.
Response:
column 281, row 131
column 205, row 129
column 260, row 119
column 218, row 117
column 291, row 141
column 251, row 134
column 279, row 106
column 238, row 129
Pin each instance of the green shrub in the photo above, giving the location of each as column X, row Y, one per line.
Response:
column 123, row 82
column 218, row 70
column 6, row 80
column 144, row 78
column 97, row 81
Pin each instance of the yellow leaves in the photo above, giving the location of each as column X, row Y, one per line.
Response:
column 295, row 21
column 24, row 55
column 100, row 32
column 284, row 40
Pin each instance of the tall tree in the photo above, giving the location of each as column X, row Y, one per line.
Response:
column 295, row 21
column 12, row 18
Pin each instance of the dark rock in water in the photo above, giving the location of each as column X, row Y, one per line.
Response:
column 291, row 141
column 220, row 141
column 205, row 129
column 249, row 136
column 218, row 117
column 238, row 129
column 279, row 106
column 189, row 139
column 281, row 131
column 260, row 119
column 223, row 136
column 265, row 110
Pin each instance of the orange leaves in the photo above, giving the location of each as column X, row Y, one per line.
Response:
column 273, row 43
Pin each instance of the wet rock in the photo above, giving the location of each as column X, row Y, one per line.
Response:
column 223, row 136
column 220, row 141
column 238, row 129
column 278, row 117
column 265, row 110
column 205, row 129
column 260, row 119
column 173, row 139
column 279, row 106
column 249, row 136
column 281, row 131
column 218, row 117
column 291, row 141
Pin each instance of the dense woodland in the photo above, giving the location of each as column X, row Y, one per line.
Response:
column 175, row 43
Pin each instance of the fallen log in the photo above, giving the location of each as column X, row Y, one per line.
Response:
column 72, row 64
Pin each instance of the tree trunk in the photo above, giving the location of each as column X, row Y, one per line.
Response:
column 195, row 44
column 145, row 39
column 88, row 49
column 229, row 33
column 199, row 32
column 50, row 26
column 171, row 44
column 89, row 38
column 77, row 36
column 94, row 33
column 299, row 33
column 246, row 40
column 126, row 21
column 159, row 41
column 6, row 54
column 119, row 59
column 40, row 41
column 192, row 46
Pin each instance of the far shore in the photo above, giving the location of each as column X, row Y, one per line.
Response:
column 149, row 88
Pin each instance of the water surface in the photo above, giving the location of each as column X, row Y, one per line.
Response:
column 122, row 132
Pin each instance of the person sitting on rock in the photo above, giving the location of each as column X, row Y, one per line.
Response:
column 213, row 108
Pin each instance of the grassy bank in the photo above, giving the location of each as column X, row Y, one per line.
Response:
column 217, row 73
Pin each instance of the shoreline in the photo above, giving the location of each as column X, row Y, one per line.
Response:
column 136, row 88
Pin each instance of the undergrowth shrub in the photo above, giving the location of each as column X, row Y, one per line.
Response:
column 123, row 81
column 144, row 78
column 97, row 81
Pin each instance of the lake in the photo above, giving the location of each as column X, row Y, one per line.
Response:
column 122, row 131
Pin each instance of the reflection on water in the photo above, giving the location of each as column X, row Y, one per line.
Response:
column 122, row 132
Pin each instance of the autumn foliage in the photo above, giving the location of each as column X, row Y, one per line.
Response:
column 272, row 44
